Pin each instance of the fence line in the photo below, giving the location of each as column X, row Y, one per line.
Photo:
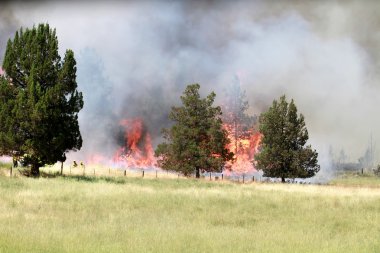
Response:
column 82, row 170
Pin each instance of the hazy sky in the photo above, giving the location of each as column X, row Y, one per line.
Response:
column 135, row 58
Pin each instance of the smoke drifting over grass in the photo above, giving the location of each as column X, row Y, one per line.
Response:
column 135, row 59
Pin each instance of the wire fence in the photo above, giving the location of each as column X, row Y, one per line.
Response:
column 102, row 171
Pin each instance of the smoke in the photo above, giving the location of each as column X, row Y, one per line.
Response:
column 97, row 119
column 8, row 25
column 141, row 55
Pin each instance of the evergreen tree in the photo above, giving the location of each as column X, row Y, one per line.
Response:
column 197, row 140
column 283, row 152
column 42, row 94
column 7, row 100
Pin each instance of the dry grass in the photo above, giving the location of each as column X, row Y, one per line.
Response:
column 102, row 171
column 367, row 179
column 127, row 214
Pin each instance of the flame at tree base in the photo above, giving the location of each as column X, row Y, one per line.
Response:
column 137, row 150
column 244, row 147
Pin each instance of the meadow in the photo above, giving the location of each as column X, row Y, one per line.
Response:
column 76, row 213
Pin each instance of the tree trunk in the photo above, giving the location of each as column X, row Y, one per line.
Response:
column 282, row 180
column 14, row 160
column 61, row 168
column 35, row 170
column 197, row 174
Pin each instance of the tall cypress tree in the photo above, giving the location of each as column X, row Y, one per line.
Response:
column 43, row 120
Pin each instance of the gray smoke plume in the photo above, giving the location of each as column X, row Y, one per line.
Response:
column 141, row 55
column 8, row 25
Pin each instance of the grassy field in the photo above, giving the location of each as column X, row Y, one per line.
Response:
column 118, row 214
column 357, row 179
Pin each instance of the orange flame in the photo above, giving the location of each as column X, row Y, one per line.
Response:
column 137, row 151
column 244, row 147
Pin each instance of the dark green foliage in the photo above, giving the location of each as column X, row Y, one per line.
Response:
column 283, row 153
column 7, row 101
column 197, row 140
column 41, row 99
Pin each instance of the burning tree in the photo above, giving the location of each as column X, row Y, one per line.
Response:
column 241, row 129
column 136, row 150
column 42, row 102
column 283, row 153
column 235, row 114
column 197, row 140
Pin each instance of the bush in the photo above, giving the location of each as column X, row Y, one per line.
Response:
column 377, row 170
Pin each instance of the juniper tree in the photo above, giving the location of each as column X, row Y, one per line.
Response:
column 42, row 124
column 283, row 152
column 197, row 140
column 7, row 100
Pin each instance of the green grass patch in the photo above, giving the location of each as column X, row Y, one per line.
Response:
column 357, row 179
column 121, row 214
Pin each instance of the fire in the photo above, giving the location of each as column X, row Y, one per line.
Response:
column 244, row 147
column 137, row 150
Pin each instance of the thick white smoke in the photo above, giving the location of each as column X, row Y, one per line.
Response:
column 135, row 58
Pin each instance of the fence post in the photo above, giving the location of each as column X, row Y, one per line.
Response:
column 125, row 173
column 222, row 176
column 253, row 178
column 143, row 173
column 11, row 171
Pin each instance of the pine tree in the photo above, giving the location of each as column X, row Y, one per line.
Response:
column 44, row 102
column 283, row 152
column 7, row 100
column 197, row 140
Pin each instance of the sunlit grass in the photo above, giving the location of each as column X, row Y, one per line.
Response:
column 367, row 179
column 101, row 170
column 5, row 168
column 126, row 214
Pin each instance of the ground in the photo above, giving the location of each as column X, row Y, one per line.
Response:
column 125, row 214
